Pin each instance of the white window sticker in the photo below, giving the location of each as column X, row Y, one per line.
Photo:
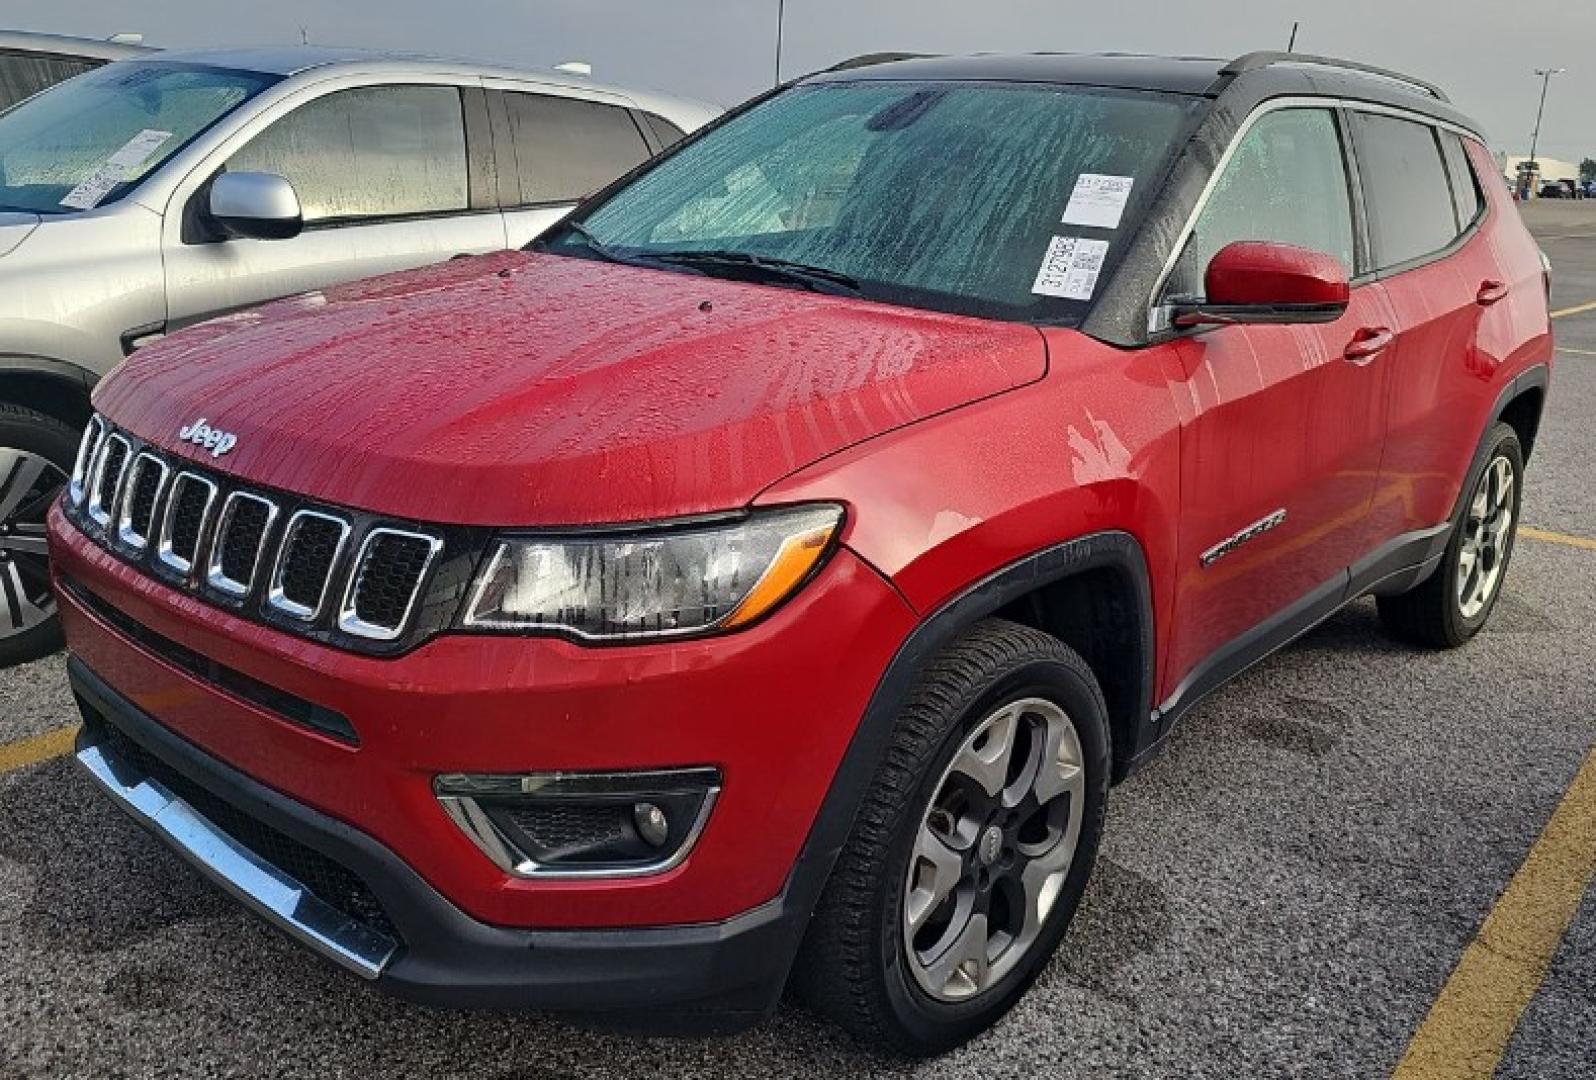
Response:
column 94, row 187
column 1098, row 202
column 98, row 184
column 139, row 147
column 1070, row 268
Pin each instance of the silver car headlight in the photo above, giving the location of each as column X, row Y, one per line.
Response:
column 656, row 582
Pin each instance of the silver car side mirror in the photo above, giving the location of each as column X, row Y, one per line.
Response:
column 257, row 205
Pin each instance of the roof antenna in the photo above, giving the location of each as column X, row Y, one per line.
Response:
column 1291, row 46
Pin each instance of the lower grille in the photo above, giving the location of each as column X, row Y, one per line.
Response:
column 332, row 883
column 290, row 707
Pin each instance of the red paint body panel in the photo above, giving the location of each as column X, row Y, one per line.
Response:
column 1255, row 272
column 1276, row 419
column 507, row 389
column 1452, row 358
column 748, row 703
column 1094, row 446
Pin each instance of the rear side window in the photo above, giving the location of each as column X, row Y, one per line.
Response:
column 566, row 148
column 1465, row 185
column 1405, row 188
column 666, row 132
column 24, row 74
column 1287, row 183
column 375, row 152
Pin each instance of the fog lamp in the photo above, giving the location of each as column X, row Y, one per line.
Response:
column 615, row 824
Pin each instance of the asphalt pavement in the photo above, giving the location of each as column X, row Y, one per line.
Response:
column 1284, row 893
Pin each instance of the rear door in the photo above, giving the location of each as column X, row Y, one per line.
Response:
column 1282, row 430
column 552, row 150
column 1425, row 207
column 385, row 178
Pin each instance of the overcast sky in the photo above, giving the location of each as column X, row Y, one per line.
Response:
column 1482, row 51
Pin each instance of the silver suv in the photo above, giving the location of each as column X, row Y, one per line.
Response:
column 153, row 193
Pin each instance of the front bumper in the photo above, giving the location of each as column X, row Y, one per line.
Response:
column 228, row 712
column 421, row 946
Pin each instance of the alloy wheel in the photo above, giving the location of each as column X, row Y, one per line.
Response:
column 28, row 485
column 1487, row 534
column 993, row 849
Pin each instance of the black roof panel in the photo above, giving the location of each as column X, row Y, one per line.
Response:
column 1182, row 74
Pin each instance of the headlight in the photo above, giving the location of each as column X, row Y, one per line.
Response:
column 686, row 579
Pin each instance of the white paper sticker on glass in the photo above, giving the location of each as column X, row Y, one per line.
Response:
column 1098, row 202
column 1070, row 268
column 139, row 147
column 94, row 187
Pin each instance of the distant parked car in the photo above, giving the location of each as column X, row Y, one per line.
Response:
column 33, row 62
column 150, row 194
column 1557, row 189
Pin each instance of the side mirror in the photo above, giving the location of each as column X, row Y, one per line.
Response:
column 1260, row 282
column 256, row 205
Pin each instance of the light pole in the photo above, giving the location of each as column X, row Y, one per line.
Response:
column 781, row 18
column 1546, row 82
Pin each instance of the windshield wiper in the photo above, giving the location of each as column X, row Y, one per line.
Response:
column 815, row 278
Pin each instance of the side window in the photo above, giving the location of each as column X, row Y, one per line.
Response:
column 1411, row 212
column 1465, row 184
column 666, row 132
column 382, row 151
column 1286, row 182
column 566, row 148
column 24, row 74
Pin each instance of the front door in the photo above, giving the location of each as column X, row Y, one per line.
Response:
column 381, row 174
column 1283, row 425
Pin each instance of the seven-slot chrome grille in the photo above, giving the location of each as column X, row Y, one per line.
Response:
column 327, row 572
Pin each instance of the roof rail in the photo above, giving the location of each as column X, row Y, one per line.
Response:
column 872, row 59
column 1255, row 61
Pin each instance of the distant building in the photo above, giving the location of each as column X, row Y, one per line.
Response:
column 1550, row 169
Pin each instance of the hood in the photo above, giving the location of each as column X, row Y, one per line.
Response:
column 15, row 226
column 519, row 389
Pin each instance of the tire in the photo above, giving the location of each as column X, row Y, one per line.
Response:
column 1437, row 614
column 36, row 456
column 861, row 965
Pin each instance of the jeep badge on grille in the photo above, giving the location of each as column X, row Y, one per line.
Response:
column 217, row 441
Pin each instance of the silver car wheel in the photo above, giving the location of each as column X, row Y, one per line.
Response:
column 1487, row 537
column 993, row 849
column 29, row 484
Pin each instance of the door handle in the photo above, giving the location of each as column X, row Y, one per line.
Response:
column 1490, row 292
column 1368, row 343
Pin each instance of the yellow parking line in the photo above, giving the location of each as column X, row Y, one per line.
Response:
column 1529, row 532
column 37, row 748
column 1577, row 309
column 1468, row 1027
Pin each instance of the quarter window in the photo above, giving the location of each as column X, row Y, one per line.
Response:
column 375, row 152
column 1409, row 200
column 567, row 148
column 666, row 132
column 1286, row 182
column 1465, row 185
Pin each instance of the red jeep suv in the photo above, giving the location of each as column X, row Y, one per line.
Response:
column 764, row 578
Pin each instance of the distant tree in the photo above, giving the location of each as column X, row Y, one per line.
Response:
column 1587, row 169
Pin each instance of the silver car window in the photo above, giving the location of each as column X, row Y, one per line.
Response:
column 372, row 152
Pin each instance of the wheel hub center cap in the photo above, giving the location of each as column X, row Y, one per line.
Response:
column 991, row 845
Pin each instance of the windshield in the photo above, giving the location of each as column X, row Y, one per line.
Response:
column 999, row 200
column 86, row 141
